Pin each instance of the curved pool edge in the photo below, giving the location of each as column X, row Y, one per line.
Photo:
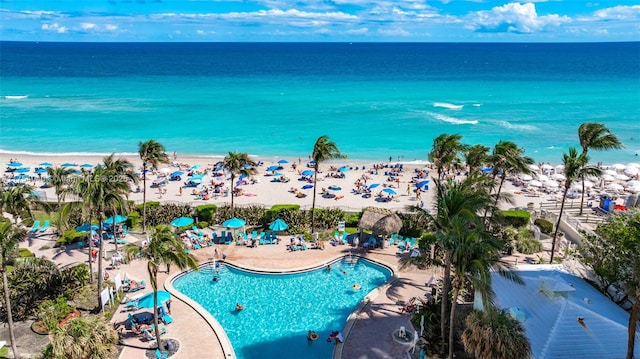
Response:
column 221, row 334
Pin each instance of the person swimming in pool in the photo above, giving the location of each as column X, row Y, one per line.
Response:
column 239, row 307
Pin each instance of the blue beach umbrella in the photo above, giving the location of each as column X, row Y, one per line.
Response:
column 307, row 186
column 278, row 225
column 195, row 167
column 422, row 183
column 118, row 219
column 277, row 174
column 45, row 164
column 374, row 185
column 308, row 173
column 40, row 170
column 15, row 164
column 86, row 165
column 335, row 188
column 234, row 223
column 68, row 164
column 486, row 170
column 197, row 176
column 23, row 170
column 283, row 162
column 390, row 191
column 20, row 177
column 177, row 174
column 182, row 222
column 85, row 227
column 272, row 168
column 146, row 301
column 343, row 169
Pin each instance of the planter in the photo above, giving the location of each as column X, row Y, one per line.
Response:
column 38, row 326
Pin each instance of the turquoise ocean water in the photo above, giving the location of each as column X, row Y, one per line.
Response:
column 274, row 99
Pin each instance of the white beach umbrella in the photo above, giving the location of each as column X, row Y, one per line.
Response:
column 633, row 183
column 622, row 177
column 525, row 177
column 534, row 168
column 633, row 164
column 535, row 183
column 607, row 178
column 559, row 169
column 542, row 178
column 578, row 185
column 547, row 167
column 558, row 177
column 618, row 166
column 551, row 184
column 634, row 189
column 615, row 187
column 631, row 171
column 165, row 170
column 610, row 172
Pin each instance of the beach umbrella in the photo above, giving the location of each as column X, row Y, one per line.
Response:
column 535, row 183
column 421, row 184
column 45, row 164
column 15, row 164
column 198, row 176
column 308, row 173
column 182, row 222
column 547, row 167
column 609, row 172
column 525, row 177
column 373, row 185
column 615, row 187
column 486, row 170
column 68, row 164
column 283, row 162
column 335, row 188
column 20, row 177
column 40, row 170
column 622, row 177
column 559, row 169
column 607, row 177
column 86, row 165
column 118, row 219
column 177, row 174
column 23, row 170
column 558, row 177
column 234, row 223
column 146, row 301
column 631, row 171
column 534, row 168
column 618, row 166
column 343, row 169
column 85, row 227
column 307, row 186
column 390, row 191
column 633, row 189
column 195, row 167
column 542, row 178
column 278, row 174
column 278, row 225
column 272, row 168
column 551, row 184
column 165, row 170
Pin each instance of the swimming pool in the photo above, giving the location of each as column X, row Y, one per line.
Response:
column 281, row 308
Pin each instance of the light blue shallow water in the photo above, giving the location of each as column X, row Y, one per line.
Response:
column 281, row 308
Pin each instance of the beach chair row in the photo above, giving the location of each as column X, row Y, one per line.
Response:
column 36, row 228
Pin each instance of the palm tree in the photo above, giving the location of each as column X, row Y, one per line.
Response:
column 238, row 164
column 151, row 153
column 120, row 169
column 493, row 334
column 445, row 150
column 104, row 188
column 83, row 338
column 575, row 166
column 323, row 150
column 476, row 156
column 17, row 201
column 10, row 236
column 163, row 248
column 598, row 137
column 58, row 179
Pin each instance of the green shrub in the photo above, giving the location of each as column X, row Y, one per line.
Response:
column 152, row 204
column 524, row 234
column 44, row 248
column 529, row 246
column 133, row 219
column 515, row 218
column 272, row 213
column 353, row 219
column 70, row 236
column 25, row 253
column 203, row 224
column 52, row 312
column 545, row 226
column 206, row 212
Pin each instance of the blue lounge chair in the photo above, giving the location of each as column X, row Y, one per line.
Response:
column 229, row 239
column 44, row 227
column 161, row 355
column 254, row 235
column 35, row 227
column 166, row 319
column 263, row 239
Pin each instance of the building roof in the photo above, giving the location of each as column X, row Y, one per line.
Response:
column 380, row 221
column 564, row 316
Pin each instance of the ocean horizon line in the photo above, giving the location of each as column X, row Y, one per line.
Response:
column 319, row 42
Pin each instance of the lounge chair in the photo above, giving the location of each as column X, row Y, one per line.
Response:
column 263, row 239
column 254, row 235
column 166, row 319
column 161, row 355
column 44, row 227
column 35, row 227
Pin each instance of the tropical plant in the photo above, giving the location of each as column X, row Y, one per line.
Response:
column 323, row 150
column 445, row 152
column 238, row 164
column 58, row 178
column 164, row 248
column 598, row 137
column 17, row 201
column 492, row 334
column 10, row 236
column 151, row 153
column 82, row 338
column 575, row 166
column 476, row 156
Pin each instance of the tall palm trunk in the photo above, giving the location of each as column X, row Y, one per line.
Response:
column 445, row 294
column 90, row 248
column 555, row 235
column 633, row 324
column 7, row 300
column 454, row 303
column 154, row 281
column 582, row 197
column 144, row 196
column 100, row 247
column 233, row 179
column 313, row 204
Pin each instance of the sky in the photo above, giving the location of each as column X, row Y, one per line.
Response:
column 320, row 20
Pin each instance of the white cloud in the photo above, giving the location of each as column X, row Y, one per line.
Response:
column 393, row 32
column 87, row 26
column 513, row 17
column 291, row 13
column 54, row 28
column 111, row 27
column 619, row 13
column 360, row 31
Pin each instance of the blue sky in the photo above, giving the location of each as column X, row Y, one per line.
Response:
column 320, row 20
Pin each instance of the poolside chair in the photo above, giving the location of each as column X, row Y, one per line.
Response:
column 274, row 239
column 45, row 226
column 166, row 319
column 161, row 355
column 262, row 240
column 254, row 235
column 229, row 238
column 344, row 237
column 35, row 227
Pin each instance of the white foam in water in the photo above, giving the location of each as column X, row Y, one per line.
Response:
column 16, row 97
column 453, row 120
column 450, row 106
column 521, row 127
column 477, row 104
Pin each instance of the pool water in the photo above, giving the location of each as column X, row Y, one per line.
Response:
column 280, row 309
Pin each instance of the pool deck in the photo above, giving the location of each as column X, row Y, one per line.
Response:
column 370, row 334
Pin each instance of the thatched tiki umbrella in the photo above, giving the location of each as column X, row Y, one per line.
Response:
column 381, row 221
